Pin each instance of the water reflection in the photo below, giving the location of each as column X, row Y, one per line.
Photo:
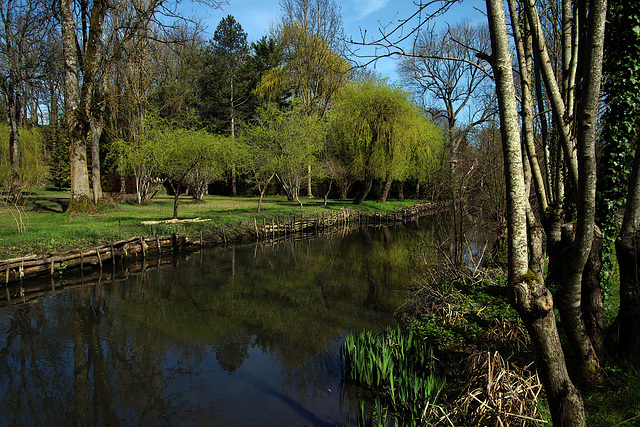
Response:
column 232, row 336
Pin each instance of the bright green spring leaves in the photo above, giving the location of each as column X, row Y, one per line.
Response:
column 380, row 133
column 32, row 167
column 394, row 362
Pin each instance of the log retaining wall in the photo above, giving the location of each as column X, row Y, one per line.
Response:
column 55, row 264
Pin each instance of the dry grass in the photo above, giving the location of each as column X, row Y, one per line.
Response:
column 505, row 334
column 498, row 393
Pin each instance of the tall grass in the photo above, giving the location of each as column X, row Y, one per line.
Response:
column 397, row 366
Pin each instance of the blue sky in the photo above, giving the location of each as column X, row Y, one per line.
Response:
column 256, row 18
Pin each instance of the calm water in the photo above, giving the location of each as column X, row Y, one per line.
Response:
column 241, row 336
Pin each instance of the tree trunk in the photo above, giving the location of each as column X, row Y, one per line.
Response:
column 78, row 101
column 233, row 181
column 592, row 303
column 96, row 125
column 527, row 293
column 368, row 183
column 627, row 247
column 176, row 196
column 569, row 298
column 534, row 303
column 552, row 223
column 309, row 192
column 385, row 191
column 326, row 195
column 13, row 108
column 401, row 191
column 263, row 190
column 581, row 248
column 261, row 197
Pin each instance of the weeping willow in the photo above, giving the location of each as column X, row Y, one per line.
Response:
column 32, row 166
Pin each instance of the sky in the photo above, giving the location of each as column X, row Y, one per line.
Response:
column 358, row 16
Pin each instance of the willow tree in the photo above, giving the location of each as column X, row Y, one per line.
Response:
column 378, row 131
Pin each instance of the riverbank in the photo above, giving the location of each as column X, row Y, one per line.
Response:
column 48, row 228
column 482, row 351
column 53, row 240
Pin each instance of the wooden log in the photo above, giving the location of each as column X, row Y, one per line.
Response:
column 19, row 259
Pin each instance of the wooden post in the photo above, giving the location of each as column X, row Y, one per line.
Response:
column 6, row 280
column 81, row 261
column 100, row 259
column 158, row 242
column 113, row 255
column 225, row 239
column 142, row 246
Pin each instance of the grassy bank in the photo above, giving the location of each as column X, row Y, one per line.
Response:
column 483, row 353
column 50, row 229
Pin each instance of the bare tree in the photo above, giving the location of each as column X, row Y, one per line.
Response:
column 444, row 73
column 454, row 88
column 84, row 50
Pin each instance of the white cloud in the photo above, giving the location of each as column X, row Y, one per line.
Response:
column 365, row 8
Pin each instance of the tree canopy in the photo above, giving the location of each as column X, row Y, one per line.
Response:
column 380, row 134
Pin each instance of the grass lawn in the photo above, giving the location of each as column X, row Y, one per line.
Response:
column 50, row 229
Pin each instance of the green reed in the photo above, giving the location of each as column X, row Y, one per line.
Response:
column 398, row 367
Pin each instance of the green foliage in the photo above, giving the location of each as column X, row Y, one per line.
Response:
column 621, row 120
column 470, row 310
column 379, row 133
column 395, row 364
column 616, row 402
column 225, row 78
column 166, row 153
column 309, row 71
column 283, row 143
column 32, row 168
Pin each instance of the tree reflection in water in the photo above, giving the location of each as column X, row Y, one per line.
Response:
column 236, row 336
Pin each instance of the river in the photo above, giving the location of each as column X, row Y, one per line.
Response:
column 237, row 336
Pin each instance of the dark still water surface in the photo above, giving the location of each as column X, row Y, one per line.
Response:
column 244, row 336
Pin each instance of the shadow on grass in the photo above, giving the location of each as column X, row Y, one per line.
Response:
column 55, row 205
